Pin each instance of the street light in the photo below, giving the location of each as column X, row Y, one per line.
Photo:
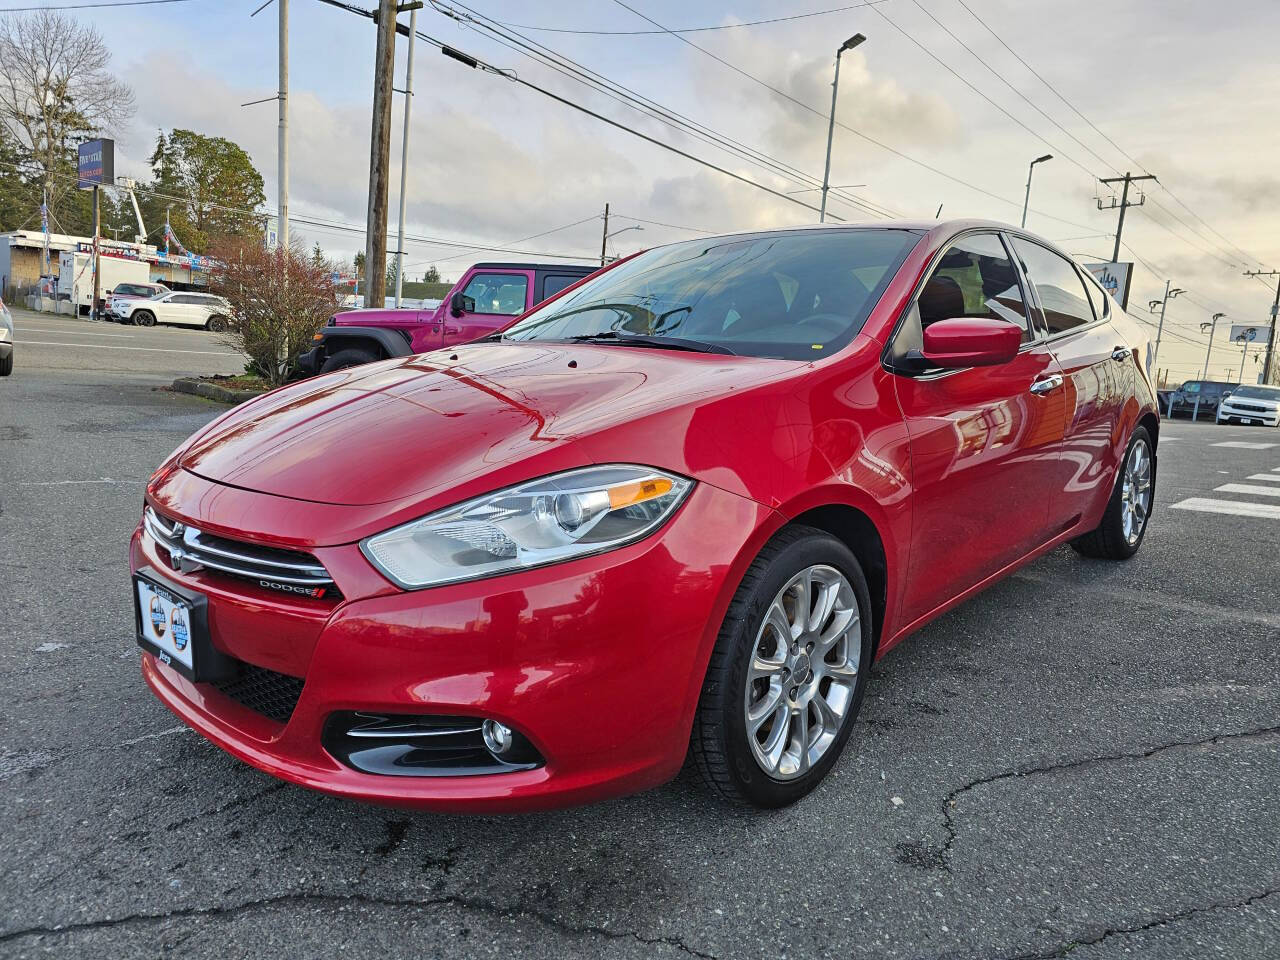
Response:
column 849, row 44
column 1162, row 304
column 1030, row 170
column 610, row 236
column 838, row 186
column 1212, row 327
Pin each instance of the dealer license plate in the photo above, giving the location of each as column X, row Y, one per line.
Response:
column 165, row 623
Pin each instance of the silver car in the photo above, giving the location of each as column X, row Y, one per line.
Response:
column 6, row 340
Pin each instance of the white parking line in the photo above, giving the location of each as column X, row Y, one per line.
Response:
column 105, row 346
column 1265, row 476
column 1269, row 511
column 88, row 333
column 1248, row 488
column 1243, row 445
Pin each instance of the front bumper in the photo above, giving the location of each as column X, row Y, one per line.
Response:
column 309, row 362
column 598, row 662
column 1229, row 414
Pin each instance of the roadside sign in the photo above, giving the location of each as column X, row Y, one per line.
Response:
column 1115, row 279
column 273, row 233
column 96, row 163
column 1250, row 333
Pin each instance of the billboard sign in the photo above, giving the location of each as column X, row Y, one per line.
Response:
column 1250, row 333
column 96, row 163
column 1115, row 279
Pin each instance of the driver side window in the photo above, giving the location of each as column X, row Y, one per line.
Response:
column 974, row 278
column 496, row 293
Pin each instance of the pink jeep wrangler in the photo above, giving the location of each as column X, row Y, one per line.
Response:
column 488, row 297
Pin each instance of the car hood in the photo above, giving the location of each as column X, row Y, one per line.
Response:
column 414, row 427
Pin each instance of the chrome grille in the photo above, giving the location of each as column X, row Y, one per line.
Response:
column 192, row 549
column 1249, row 407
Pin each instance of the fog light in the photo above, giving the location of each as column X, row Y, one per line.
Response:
column 497, row 738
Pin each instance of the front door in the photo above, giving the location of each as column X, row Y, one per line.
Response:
column 1097, row 368
column 985, row 441
column 490, row 301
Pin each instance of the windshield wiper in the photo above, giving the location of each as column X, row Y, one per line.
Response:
column 646, row 340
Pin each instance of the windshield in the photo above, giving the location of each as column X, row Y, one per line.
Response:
column 1256, row 393
column 793, row 295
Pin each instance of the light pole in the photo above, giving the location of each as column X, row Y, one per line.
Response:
column 1162, row 304
column 610, row 236
column 1030, row 170
column 1212, row 327
column 849, row 44
column 1244, row 354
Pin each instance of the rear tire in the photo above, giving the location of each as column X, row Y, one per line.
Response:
column 347, row 358
column 6, row 365
column 1115, row 538
column 144, row 318
column 749, row 740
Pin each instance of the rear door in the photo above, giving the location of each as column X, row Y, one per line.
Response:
column 1095, row 363
column 985, row 441
column 491, row 299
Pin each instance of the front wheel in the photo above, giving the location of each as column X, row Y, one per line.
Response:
column 788, row 672
column 346, row 358
column 144, row 318
column 216, row 324
column 1124, row 523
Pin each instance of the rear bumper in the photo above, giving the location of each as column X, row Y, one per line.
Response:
column 598, row 662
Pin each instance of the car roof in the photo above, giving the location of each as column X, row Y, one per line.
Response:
column 496, row 265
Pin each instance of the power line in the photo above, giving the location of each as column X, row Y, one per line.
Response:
column 725, row 26
column 87, row 6
column 844, row 126
column 659, row 223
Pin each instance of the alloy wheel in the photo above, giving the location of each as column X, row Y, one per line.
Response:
column 803, row 672
column 1135, row 495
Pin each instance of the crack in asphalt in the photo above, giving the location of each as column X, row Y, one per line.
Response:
column 943, row 859
column 330, row 899
column 1062, row 950
column 234, row 802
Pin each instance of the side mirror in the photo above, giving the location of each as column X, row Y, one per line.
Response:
column 971, row 342
column 458, row 304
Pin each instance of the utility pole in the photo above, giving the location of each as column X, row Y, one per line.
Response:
column 375, row 256
column 404, row 152
column 1275, row 309
column 604, row 235
column 1168, row 295
column 282, row 148
column 1124, row 204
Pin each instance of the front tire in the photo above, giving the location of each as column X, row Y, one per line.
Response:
column 6, row 365
column 144, row 318
column 1124, row 524
column 788, row 673
column 216, row 324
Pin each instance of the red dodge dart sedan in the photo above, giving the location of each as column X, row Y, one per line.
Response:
column 676, row 511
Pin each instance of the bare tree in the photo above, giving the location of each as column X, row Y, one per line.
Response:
column 280, row 298
column 55, row 89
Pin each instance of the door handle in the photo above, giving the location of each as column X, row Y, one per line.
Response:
column 1120, row 354
column 1046, row 385
column 449, row 329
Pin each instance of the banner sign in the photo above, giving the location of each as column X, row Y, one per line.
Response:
column 1115, row 278
column 96, row 163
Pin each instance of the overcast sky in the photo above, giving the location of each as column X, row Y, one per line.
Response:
column 1187, row 89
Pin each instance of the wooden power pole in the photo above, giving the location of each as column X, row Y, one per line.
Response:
column 1124, row 205
column 375, row 256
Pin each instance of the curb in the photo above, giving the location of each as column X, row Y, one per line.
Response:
column 209, row 391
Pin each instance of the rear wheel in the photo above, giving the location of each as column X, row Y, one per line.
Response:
column 1124, row 523
column 346, row 358
column 788, row 672
column 144, row 318
column 216, row 323
column 6, row 365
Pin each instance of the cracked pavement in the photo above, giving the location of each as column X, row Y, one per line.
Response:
column 1083, row 761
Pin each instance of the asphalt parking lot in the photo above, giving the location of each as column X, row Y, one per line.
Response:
column 1084, row 760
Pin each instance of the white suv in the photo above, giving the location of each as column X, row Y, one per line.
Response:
column 184, row 309
column 1249, row 404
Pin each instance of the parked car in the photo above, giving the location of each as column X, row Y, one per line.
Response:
column 1250, row 404
column 6, row 340
column 133, row 291
column 683, row 506
column 487, row 297
column 1196, row 398
column 181, row 308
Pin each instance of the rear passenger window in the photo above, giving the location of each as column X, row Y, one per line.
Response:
column 554, row 284
column 1058, row 287
column 974, row 278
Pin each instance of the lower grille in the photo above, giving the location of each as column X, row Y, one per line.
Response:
column 274, row 695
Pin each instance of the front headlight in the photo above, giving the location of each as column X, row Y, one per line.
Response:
column 555, row 518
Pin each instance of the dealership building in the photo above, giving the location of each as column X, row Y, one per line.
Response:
column 22, row 261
